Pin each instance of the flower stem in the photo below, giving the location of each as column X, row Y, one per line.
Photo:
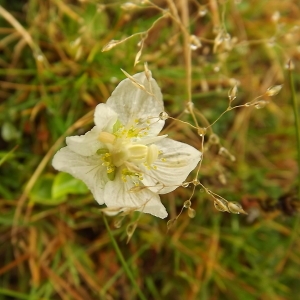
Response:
column 297, row 122
column 123, row 261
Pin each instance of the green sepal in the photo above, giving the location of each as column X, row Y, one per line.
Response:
column 102, row 151
column 111, row 175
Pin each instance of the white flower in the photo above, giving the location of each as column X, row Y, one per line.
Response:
column 122, row 160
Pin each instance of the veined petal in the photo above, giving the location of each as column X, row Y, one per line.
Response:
column 88, row 169
column 105, row 117
column 172, row 167
column 87, row 144
column 132, row 103
column 117, row 194
column 149, row 140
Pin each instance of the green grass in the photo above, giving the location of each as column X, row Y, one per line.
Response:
column 54, row 243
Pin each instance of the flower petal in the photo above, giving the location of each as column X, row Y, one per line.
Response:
column 105, row 117
column 117, row 194
column 87, row 144
column 131, row 102
column 173, row 166
column 149, row 139
column 87, row 169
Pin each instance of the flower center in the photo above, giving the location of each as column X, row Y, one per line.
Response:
column 121, row 149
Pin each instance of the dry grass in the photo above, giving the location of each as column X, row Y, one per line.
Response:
column 53, row 74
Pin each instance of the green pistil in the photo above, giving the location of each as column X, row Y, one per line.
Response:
column 102, row 151
column 107, row 162
column 111, row 175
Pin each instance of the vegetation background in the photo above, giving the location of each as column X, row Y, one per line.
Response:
column 54, row 243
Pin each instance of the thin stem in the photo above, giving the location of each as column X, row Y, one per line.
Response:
column 8, row 154
column 178, row 120
column 187, row 48
column 224, row 112
column 123, row 261
column 297, row 122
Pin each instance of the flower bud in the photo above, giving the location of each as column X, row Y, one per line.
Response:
column 187, row 204
column 191, row 213
column 214, row 139
column 128, row 6
column 111, row 44
column 163, row 115
column 194, row 42
column 274, row 90
column 232, row 93
column 221, row 205
column 130, row 230
column 236, row 208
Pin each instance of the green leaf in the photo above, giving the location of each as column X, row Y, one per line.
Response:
column 9, row 132
column 42, row 191
column 65, row 184
column 13, row 294
column 6, row 155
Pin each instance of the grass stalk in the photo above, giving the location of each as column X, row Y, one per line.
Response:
column 123, row 261
column 14, row 294
column 297, row 122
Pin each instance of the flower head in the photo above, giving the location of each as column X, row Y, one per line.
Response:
column 122, row 159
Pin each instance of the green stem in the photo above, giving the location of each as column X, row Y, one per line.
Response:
column 123, row 261
column 13, row 294
column 297, row 122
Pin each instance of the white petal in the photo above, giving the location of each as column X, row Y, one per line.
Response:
column 149, row 140
column 117, row 194
column 180, row 160
column 105, row 117
column 131, row 102
column 87, row 169
column 87, row 144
